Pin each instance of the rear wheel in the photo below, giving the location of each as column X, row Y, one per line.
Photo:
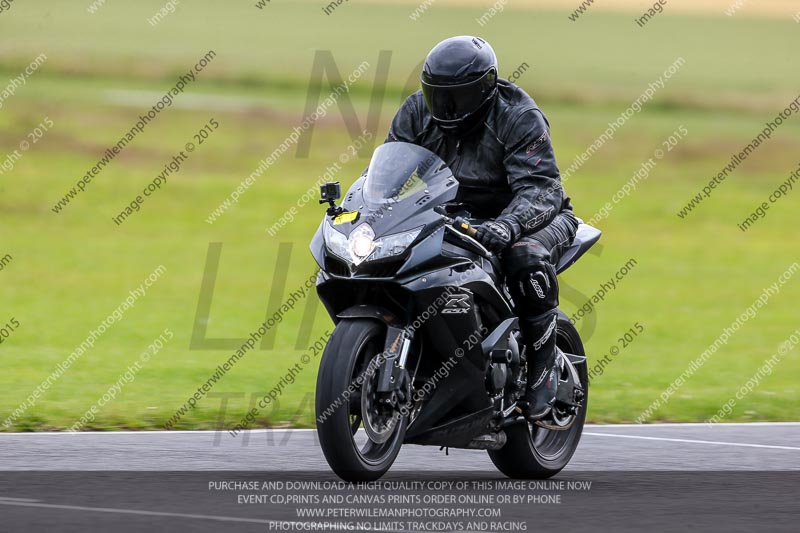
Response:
column 359, row 435
column 534, row 452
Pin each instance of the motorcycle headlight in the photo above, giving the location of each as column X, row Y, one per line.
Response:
column 361, row 243
column 393, row 245
column 362, row 246
column 335, row 242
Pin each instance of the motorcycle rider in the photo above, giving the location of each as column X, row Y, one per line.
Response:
column 497, row 142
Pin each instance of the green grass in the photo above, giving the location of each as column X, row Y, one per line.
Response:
column 69, row 271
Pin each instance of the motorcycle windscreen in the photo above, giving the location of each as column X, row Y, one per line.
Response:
column 404, row 180
column 397, row 172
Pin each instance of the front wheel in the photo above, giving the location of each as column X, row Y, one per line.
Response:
column 534, row 452
column 359, row 435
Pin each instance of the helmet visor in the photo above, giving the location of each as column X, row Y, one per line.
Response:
column 457, row 102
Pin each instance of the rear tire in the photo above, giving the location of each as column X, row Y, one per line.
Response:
column 533, row 452
column 352, row 346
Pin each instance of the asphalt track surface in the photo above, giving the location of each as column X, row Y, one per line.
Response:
column 726, row 477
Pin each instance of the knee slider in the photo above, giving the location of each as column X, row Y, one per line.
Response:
column 535, row 289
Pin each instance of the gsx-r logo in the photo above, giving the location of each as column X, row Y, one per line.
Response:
column 457, row 304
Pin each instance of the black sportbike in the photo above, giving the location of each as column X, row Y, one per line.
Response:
column 426, row 348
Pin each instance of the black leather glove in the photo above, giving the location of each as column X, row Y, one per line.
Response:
column 495, row 235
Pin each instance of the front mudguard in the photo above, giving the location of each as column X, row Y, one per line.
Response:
column 392, row 375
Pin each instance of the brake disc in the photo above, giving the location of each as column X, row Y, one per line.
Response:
column 379, row 419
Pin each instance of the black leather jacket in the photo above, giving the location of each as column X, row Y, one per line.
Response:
column 506, row 168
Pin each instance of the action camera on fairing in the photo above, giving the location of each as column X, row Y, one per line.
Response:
column 330, row 192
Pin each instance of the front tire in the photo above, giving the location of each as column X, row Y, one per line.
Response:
column 343, row 376
column 533, row 452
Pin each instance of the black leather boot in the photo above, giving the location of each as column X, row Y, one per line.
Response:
column 540, row 348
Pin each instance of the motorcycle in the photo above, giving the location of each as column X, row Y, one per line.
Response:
column 426, row 348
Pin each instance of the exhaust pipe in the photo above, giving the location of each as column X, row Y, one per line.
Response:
column 490, row 441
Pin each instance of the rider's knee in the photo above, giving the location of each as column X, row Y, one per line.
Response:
column 532, row 281
column 524, row 252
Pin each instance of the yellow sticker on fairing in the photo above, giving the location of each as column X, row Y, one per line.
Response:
column 347, row 216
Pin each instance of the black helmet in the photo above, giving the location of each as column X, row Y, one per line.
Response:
column 459, row 82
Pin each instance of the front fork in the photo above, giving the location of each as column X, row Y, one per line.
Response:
column 394, row 382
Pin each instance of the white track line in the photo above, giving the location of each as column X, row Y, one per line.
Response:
column 282, row 523
column 305, row 430
column 690, row 441
column 691, row 425
column 134, row 511
column 182, row 432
